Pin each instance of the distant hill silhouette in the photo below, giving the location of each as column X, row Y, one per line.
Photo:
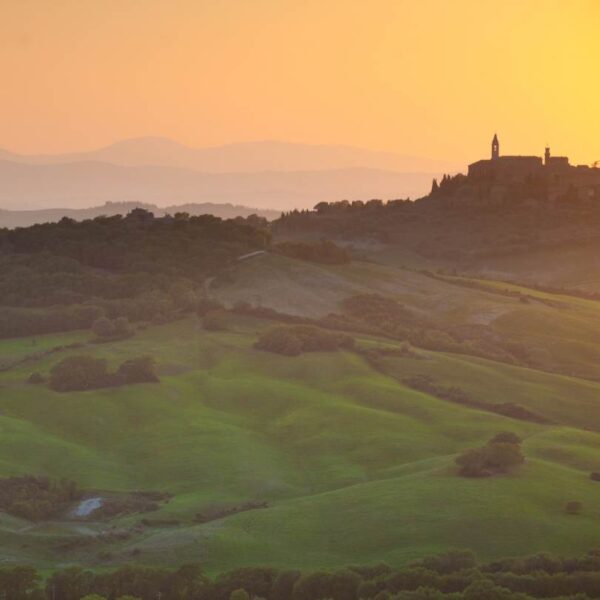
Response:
column 83, row 184
column 26, row 218
column 241, row 157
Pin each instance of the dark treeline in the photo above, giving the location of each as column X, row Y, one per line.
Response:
column 293, row 340
column 425, row 383
column 461, row 223
column 82, row 372
column 451, row 576
column 138, row 243
column 67, row 275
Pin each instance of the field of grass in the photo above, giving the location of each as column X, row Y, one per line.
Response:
column 355, row 466
column 560, row 333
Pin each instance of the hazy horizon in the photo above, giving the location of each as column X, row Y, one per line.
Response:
column 166, row 143
column 276, row 175
column 419, row 79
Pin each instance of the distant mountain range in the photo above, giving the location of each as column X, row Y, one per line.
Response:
column 248, row 157
column 274, row 175
column 25, row 218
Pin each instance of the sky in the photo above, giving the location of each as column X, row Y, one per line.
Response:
column 433, row 78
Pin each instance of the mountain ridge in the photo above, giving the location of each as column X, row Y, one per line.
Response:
column 84, row 184
column 263, row 155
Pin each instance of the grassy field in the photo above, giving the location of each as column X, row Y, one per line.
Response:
column 560, row 333
column 355, row 466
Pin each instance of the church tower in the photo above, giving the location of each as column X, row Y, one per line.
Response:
column 495, row 148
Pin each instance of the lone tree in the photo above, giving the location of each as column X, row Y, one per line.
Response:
column 138, row 370
column 103, row 327
column 77, row 373
column 494, row 458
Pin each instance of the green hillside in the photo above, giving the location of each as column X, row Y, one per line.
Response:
column 354, row 465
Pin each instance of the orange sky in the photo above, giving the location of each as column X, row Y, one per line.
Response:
column 429, row 77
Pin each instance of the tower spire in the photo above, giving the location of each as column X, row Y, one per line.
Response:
column 495, row 147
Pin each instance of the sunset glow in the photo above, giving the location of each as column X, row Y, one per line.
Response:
column 431, row 78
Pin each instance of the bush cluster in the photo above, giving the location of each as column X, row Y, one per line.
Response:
column 82, row 372
column 134, row 502
column 499, row 455
column 296, row 339
column 36, row 498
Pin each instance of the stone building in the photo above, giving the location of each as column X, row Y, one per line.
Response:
column 558, row 178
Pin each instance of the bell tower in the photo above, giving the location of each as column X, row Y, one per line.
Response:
column 495, row 148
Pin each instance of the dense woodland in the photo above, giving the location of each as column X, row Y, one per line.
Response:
column 461, row 222
column 67, row 275
column 36, row 498
column 452, row 576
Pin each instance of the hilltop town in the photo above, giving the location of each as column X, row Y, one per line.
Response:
column 505, row 177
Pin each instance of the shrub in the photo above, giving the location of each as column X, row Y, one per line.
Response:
column 448, row 562
column 135, row 502
column 573, row 507
column 77, row 373
column 293, row 340
column 376, row 309
column 122, row 327
column 106, row 329
column 138, row 370
column 496, row 457
column 239, row 594
column 103, row 327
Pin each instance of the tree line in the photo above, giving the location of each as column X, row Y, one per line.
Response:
column 454, row 575
column 68, row 275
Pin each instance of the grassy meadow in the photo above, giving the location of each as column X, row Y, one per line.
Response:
column 355, row 466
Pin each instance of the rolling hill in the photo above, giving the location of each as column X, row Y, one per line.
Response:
column 247, row 157
column 354, row 465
